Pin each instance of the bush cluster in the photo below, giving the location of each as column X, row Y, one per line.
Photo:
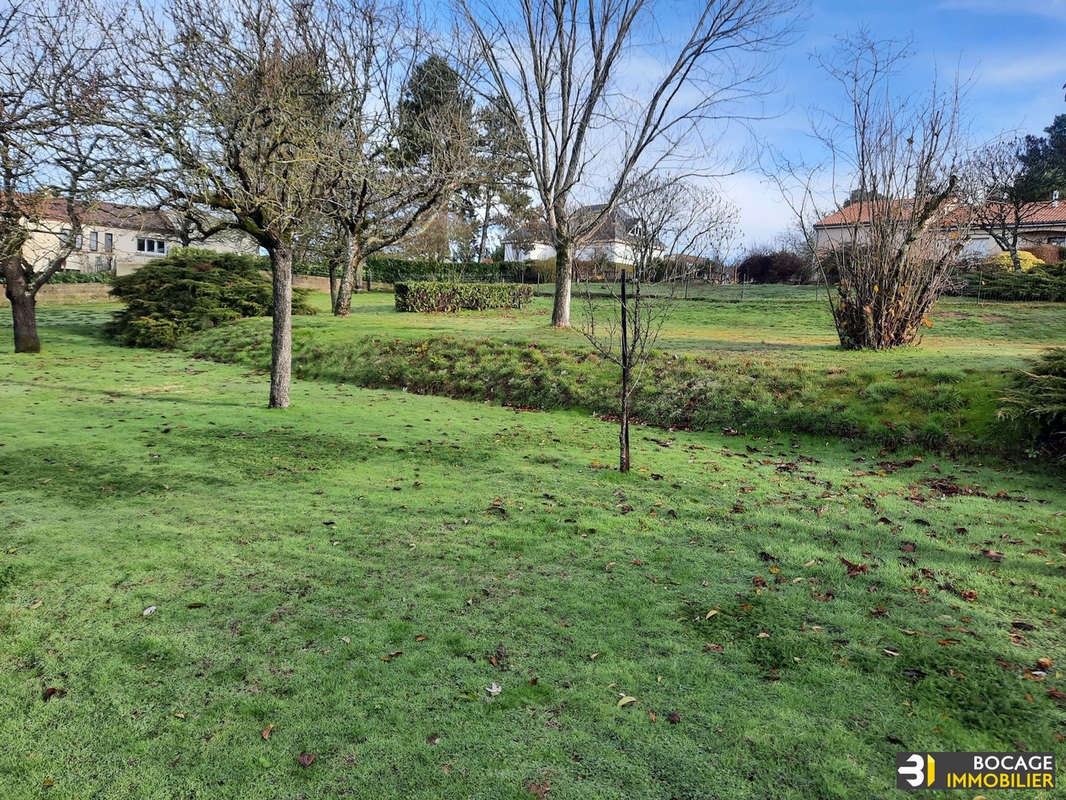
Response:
column 1041, row 283
column 781, row 266
column 453, row 296
column 1002, row 261
column 192, row 289
column 1036, row 403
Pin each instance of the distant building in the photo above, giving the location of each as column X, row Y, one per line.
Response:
column 120, row 237
column 1044, row 223
column 612, row 241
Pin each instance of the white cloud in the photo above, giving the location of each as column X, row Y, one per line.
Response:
column 1029, row 71
column 763, row 212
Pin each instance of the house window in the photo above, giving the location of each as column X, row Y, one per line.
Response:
column 109, row 242
column 79, row 242
column 94, row 241
column 64, row 235
column 151, row 246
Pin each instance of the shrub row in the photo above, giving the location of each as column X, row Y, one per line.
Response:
column 1041, row 283
column 72, row 276
column 192, row 289
column 389, row 269
column 452, row 296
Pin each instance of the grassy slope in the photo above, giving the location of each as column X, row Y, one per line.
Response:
column 134, row 479
column 769, row 362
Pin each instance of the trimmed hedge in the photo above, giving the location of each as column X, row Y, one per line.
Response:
column 390, row 269
column 192, row 289
column 73, row 276
column 1041, row 283
column 452, row 296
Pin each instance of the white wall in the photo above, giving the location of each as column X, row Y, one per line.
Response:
column 124, row 257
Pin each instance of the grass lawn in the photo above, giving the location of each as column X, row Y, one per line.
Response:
column 767, row 363
column 352, row 574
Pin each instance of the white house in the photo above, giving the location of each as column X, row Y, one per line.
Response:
column 612, row 241
column 1044, row 223
column 119, row 237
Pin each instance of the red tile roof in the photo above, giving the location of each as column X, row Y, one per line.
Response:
column 1044, row 213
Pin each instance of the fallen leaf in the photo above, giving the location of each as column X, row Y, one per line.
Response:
column 148, row 611
column 853, row 569
column 433, row 738
column 494, row 689
column 652, row 715
column 37, row 605
column 763, row 635
column 711, row 613
column 51, row 692
column 305, row 759
column 421, row 638
column 673, row 717
column 267, row 730
column 626, row 700
column 1056, row 694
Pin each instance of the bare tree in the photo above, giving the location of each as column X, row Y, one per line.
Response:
column 997, row 187
column 229, row 104
column 399, row 154
column 557, row 68
column 675, row 229
column 55, row 158
column 894, row 232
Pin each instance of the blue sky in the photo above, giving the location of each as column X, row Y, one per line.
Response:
column 1014, row 52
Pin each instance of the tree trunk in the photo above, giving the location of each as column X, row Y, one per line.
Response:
column 484, row 228
column 351, row 278
column 332, row 283
column 563, row 275
column 281, row 343
column 23, row 315
column 623, row 432
column 1015, row 259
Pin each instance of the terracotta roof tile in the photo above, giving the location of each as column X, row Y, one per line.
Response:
column 1043, row 213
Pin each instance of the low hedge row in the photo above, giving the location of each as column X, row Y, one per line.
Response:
column 1041, row 283
column 452, row 296
column 390, row 269
column 72, row 276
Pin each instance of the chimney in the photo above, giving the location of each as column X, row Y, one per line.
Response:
column 1055, row 199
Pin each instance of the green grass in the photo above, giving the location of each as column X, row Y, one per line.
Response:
column 135, row 479
column 768, row 363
